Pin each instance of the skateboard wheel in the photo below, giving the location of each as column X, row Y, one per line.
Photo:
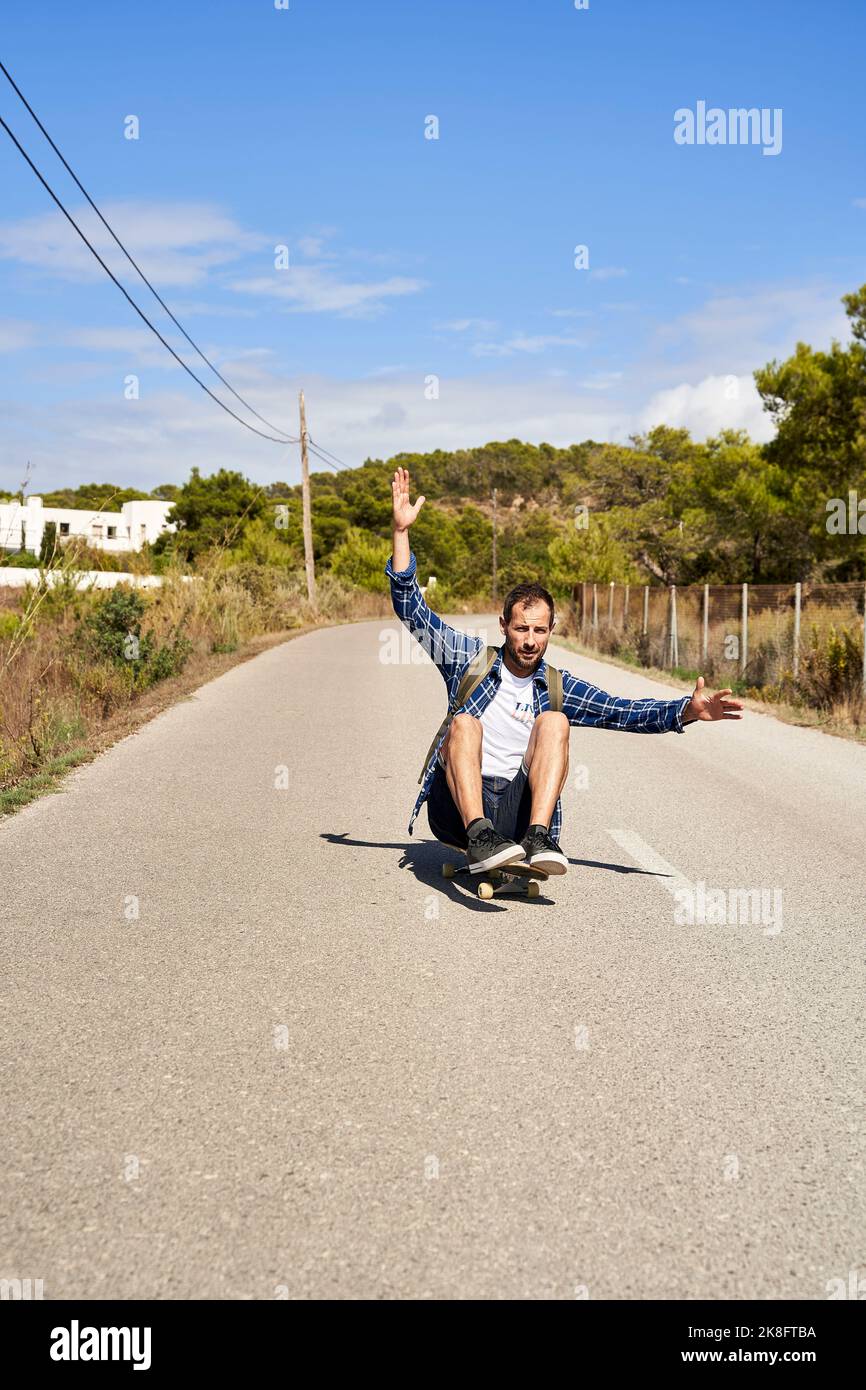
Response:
column 448, row 870
column 485, row 890
column 533, row 889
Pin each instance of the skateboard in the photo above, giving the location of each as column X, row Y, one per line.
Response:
column 510, row 878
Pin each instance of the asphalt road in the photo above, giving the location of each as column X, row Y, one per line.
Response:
column 255, row 1047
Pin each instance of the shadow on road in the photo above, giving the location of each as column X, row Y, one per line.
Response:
column 426, row 857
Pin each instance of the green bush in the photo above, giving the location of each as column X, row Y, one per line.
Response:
column 169, row 659
column 112, row 632
column 21, row 560
column 261, row 581
column 361, row 559
column 114, row 620
column 831, row 668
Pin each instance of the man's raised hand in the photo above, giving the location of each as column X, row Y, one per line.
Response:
column 404, row 512
column 705, row 706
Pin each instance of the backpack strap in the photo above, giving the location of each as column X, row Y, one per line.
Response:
column 554, row 689
column 479, row 667
column 478, row 670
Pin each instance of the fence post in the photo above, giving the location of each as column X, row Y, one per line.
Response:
column 595, row 607
column 798, row 603
column 675, row 646
column 625, row 608
column 645, row 609
column 744, row 631
column 610, row 603
column 705, row 645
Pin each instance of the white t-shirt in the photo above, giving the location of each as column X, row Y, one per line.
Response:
column 507, row 723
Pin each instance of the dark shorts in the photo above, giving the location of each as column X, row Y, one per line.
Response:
column 507, row 804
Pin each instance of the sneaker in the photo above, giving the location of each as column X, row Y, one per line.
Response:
column 542, row 852
column 490, row 850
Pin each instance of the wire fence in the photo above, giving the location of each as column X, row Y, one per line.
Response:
column 756, row 635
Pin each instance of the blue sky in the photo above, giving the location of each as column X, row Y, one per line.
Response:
column 411, row 257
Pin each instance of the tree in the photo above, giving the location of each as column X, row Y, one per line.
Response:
column 48, row 548
column 590, row 553
column 96, row 497
column 331, row 517
column 734, row 506
column 211, row 511
column 818, row 403
column 622, row 476
column 361, row 559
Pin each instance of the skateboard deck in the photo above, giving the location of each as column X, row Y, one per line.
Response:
column 509, row 878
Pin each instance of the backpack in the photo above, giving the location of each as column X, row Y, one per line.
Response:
column 479, row 667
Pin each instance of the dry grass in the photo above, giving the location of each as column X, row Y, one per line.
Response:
column 60, row 704
column 844, row 717
column 827, row 689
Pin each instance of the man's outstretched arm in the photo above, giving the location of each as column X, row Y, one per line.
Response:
column 586, row 704
column 448, row 649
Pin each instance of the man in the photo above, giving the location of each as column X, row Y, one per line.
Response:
column 494, row 779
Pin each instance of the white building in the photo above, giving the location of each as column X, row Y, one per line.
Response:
column 128, row 529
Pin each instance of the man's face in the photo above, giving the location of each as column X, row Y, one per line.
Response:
column 527, row 634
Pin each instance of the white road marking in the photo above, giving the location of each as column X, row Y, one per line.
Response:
column 646, row 857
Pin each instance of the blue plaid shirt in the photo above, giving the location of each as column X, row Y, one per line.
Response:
column 452, row 652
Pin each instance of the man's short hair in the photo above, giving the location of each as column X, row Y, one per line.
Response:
column 527, row 593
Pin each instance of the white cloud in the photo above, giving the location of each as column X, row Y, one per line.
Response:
column 467, row 325
column 174, row 243
column 309, row 289
column 608, row 272
column 714, row 404
column 180, row 244
column 696, row 373
column 195, row 308
column 601, row 381
column 859, row 202
column 161, row 436
column 16, row 334
column 522, row 342
column 134, row 341
column 734, row 333
column 314, row 246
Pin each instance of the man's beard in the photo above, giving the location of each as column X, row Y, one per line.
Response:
column 527, row 662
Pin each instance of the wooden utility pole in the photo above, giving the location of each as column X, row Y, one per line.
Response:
column 305, row 500
column 495, row 586
column 674, row 631
column 705, row 642
column 744, row 631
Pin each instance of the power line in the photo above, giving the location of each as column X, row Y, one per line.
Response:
column 326, row 462
column 141, row 314
column 323, row 450
column 131, row 260
column 315, row 449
